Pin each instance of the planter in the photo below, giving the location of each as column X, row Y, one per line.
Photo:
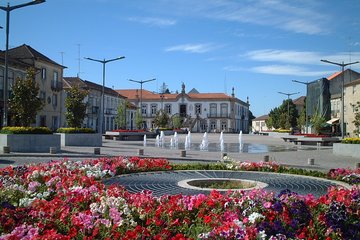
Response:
column 30, row 142
column 129, row 136
column 81, row 139
column 350, row 150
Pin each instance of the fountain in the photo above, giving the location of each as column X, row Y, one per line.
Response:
column 176, row 140
column 189, row 138
column 145, row 140
column 172, row 143
column 162, row 139
column 221, row 139
column 157, row 141
column 204, row 143
column 187, row 144
column 240, row 142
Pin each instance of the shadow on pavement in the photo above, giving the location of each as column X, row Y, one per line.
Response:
column 6, row 161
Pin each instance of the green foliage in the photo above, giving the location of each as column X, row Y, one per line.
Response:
column 75, row 130
column 138, row 119
column 357, row 118
column 25, row 130
column 75, row 106
column 25, row 102
column 351, row 140
column 317, row 121
column 161, row 119
column 176, row 121
column 284, row 116
column 120, row 118
column 301, row 121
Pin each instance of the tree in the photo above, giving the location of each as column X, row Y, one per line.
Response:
column 176, row 122
column 284, row 116
column 120, row 118
column 357, row 118
column 301, row 121
column 75, row 106
column 138, row 119
column 161, row 119
column 25, row 102
column 317, row 121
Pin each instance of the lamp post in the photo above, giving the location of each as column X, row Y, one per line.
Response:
column 288, row 94
column 102, row 104
column 8, row 9
column 342, row 118
column 141, row 83
column 306, row 105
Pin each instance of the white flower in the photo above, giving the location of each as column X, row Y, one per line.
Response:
column 254, row 216
column 261, row 235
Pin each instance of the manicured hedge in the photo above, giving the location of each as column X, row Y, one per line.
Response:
column 75, row 130
column 25, row 130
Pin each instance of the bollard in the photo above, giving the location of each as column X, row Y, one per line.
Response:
column 6, row 149
column 140, row 152
column 97, row 151
column 266, row 158
column 357, row 165
column 115, row 138
column 53, row 150
column 311, row 161
column 183, row 153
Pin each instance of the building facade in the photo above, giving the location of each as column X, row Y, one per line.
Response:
column 112, row 100
column 48, row 76
column 201, row 112
column 351, row 98
column 259, row 124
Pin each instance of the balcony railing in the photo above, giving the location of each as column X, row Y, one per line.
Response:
column 56, row 86
column 218, row 115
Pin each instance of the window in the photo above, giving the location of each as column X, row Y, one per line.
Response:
column 168, row 108
column 43, row 73
column 224, row 110
column 54, row 100
column 42, row 96
column 223, row 126
column 213, row 110
column 198, row 108
column 153, row 109
column 143, row 109
column 213, row 125
column 55, row 76
column 42, row 121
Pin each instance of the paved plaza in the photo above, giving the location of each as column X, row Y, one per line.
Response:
column 255, row 147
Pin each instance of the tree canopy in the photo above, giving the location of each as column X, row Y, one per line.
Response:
column 25, row 102
column 75, row 106
column 285, row 116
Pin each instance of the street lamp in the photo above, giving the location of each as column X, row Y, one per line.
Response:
column 102, row 104
column 342, row 65
column 8, row 9
column 141, row 83
column 288, row 94
column 306, row 105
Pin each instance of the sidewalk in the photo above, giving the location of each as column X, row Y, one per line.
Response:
column 323, row 157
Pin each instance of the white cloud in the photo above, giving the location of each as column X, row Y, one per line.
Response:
column 192, row 48
column 289, row 70
column 298, row 57
column 153, row 21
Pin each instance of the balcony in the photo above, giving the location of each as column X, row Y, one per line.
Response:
column 56, row 86
column 218, row 115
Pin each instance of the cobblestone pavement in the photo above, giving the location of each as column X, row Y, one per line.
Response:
column 161, row 183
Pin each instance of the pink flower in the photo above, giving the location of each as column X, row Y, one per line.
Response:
column 267, row 205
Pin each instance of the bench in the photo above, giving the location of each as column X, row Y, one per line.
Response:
column 290, row 139
column 317, row 142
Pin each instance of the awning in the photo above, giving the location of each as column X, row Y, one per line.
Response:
column 333, row 121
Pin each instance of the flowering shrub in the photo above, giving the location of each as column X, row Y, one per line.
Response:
column 125, row 130
column 65, row 200
column 25, row 130
column 351, row 140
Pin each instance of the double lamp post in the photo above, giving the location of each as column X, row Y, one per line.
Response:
column 8, row 9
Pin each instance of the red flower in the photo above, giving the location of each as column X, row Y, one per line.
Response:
column 207, row 219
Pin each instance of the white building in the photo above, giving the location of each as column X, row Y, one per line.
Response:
column 201, row 112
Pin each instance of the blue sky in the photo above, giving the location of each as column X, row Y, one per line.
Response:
column 255, row 46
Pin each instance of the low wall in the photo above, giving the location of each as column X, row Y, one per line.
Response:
column 81, row 139
column 278, row 135
column 350, row 150
column 30, row 142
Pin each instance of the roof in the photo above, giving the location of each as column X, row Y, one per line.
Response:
column 14, row 62
column 300, row 101
column 134, row 94
column 261, row 118
column 72, row 81
column 334, row 75
column 26, row 52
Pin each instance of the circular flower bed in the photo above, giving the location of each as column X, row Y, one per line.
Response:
column 66, row 200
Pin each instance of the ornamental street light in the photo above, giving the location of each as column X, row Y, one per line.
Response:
column 288, row 94
column 141, row 83
column 8, row 9
column 306, row 104
column 342, row 118
column 103, row 62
